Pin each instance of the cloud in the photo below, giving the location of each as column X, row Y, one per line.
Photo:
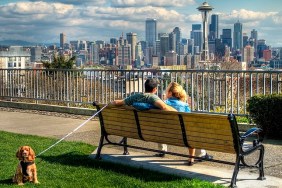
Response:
column 154, row 3
column 74, row 2
column 246, row 15
column 277, row 19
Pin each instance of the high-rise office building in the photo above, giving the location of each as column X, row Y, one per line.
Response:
column 177, row 32
column 93, row 53
column 191, row 46
column 35, row 53
column 170, row 58
column 197, row 35
column 164, row 45
column 196, row 27
column 138, row 55
column 267, row 54
column 245, row 40
column 172, row 41
column 237, row 36
column 132, row 40
column 151, row 31
column 248, row 54
column 261, row 46
column 63, row 40
column 254, row 37
column 113, row 41
column 213, row 34
column 226, row 37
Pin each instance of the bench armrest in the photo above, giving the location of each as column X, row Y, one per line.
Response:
column 253, row 131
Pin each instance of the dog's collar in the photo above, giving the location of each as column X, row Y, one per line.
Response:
column 27, row 163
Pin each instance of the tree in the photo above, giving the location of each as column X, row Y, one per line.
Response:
column 60, row 62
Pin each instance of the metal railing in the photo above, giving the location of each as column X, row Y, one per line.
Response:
column 209, row 90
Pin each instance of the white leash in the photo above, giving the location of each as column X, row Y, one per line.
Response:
column 81, row 125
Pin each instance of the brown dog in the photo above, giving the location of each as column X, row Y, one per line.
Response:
column 26, row 170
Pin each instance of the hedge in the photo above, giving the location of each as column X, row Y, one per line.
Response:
column 266, row 112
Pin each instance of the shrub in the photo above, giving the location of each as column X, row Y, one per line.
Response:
column 266, row 112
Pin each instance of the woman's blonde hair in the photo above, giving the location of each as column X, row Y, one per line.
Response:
column 177, row 91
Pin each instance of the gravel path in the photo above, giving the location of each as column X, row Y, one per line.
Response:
column 273, row 148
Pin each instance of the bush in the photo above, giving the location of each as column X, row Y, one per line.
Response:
column 266, row 112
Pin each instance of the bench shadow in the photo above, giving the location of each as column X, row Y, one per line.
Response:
column 74, row 159
column 272, row 141
column 6, row 181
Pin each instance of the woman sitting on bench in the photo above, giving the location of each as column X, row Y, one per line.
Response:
column 176, row 98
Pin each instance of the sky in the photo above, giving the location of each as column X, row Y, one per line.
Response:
column 43, row 21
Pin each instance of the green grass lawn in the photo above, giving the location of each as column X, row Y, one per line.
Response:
column 68, row 165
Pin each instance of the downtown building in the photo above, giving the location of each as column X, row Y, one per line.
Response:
column 16, row 57
column 237, row 37
column 151, row 37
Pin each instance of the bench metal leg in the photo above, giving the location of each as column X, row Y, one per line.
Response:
column 261, row 170
column 125, row 149
column 235, row 172
column 98, row 154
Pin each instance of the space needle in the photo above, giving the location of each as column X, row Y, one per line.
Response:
column 205, row 8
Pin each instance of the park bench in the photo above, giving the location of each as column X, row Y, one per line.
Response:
column 212, row 132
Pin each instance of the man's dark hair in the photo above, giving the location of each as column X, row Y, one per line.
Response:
column 150, row 84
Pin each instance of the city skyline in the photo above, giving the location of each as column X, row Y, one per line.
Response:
column 43, row 21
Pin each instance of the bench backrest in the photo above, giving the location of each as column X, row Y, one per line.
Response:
column 196, row 130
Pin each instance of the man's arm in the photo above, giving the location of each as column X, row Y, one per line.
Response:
column 163, row 106
column 118, row 102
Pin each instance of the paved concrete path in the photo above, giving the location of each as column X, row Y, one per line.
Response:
column 50, row 126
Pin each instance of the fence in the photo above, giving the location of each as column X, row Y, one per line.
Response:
column 209, row 90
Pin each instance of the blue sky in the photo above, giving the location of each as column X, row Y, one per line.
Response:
column 43, row 21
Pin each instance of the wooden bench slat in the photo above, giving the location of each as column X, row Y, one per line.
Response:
column 161, row 128
column 210, row 141
column 122, row 133
column 161, row 134
column 155, row 118
column 209, row 132
column 119, row 113
column 212, row 147
column 161, row 141
column 209, row 136
column 118, row 124
column 120, row 121
column 156, row 126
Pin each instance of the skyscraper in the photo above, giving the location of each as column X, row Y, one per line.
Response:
column 177, row 33
column 248, row 54
column 261, row 47
column 62, row 40
column 254, row 37
column 151, row 31
column 237, row 36
column 226, row 37
column 245, row 40
column 197, row 34
column 213, row 27
column 172, row 41
column 164, row 44
column 132, row 40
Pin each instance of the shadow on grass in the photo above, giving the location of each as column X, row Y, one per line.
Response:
column 6, row 182
column 75, row 159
